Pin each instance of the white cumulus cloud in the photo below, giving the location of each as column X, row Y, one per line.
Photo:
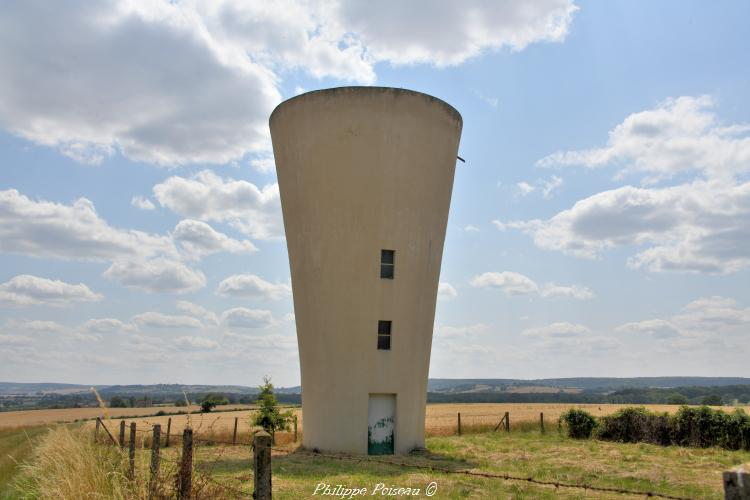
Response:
column 446, row 291
column 76, row 232
column 156, row 275
column 194, row 81
column 198, row 239
column 251, row 210
column 242, row 317
column 561, row 329
column 188, row 342
column 27, row 290
column 159, row 320
column 701, row 225
column 250, row 285
column 517, row 284
column 142, row 203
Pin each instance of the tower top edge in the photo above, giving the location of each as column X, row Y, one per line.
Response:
column 365, row 90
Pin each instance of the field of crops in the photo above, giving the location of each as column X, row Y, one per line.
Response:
column 40, row 417
column 441, row 419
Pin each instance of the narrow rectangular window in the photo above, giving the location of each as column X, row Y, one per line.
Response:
column 387, row 264
column 384, row 335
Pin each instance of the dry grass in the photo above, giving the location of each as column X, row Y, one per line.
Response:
column 68, row 464
column 44, row 417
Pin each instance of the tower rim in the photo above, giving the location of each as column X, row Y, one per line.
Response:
column 363, row 89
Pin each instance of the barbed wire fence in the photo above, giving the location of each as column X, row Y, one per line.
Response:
column 192, row 478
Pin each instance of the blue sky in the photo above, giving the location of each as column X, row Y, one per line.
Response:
column 600, row 226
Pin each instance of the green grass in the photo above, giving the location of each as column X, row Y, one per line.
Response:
column 688, row 472
column 678, row 471
column 15, row 446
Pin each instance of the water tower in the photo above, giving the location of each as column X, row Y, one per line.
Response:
column 365, row 175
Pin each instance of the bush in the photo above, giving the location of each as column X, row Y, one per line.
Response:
column 738, row 431
column 701, row 427
column 635, row 425
column 580, row 423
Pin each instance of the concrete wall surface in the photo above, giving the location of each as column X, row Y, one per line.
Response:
column 362, row 169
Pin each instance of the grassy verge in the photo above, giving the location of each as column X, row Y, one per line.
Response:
column 226, row 471
column 688, row 472
column 16, row 445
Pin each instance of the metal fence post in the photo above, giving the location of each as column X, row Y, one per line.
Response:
column 185, row 478
column 262, row 466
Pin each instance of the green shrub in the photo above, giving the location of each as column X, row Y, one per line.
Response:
column 737, row 436
column 701, row 427
column 635, row 425
column 580, row 423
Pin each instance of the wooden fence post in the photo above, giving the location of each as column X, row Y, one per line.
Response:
column 507, row 421
column 541, row 422
column 499, row 424
column 262, row 466
column 295, row 428
column 107, row 431
column 122, row 434
column 737, row 483
column 234, row 434
column 131, row 454
column 169, row 428
column 185, row 477
column 96, row 431
column 459, row 423
column 154, row 477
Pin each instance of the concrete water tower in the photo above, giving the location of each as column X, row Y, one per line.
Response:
column 365, row 175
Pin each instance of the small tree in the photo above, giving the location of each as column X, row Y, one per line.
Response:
column 268, row 415
column 207, row 405
column 712, row 400
column 117, row 402
column 211, row 400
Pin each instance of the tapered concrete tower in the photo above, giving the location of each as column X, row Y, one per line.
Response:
column 366, row 175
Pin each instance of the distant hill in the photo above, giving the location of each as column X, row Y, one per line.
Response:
column 8, row 388
column 51, row 388
column 576, row 384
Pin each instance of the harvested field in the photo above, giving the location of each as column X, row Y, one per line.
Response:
column 441, row 419
column 41, row 417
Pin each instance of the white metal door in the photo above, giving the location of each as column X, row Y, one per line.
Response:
column 381, row 420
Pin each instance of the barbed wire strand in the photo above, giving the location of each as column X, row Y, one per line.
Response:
column 467, row 472
column 493, row 475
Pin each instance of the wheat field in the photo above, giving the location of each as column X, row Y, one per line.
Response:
column 440, row 419
column 25, row 418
